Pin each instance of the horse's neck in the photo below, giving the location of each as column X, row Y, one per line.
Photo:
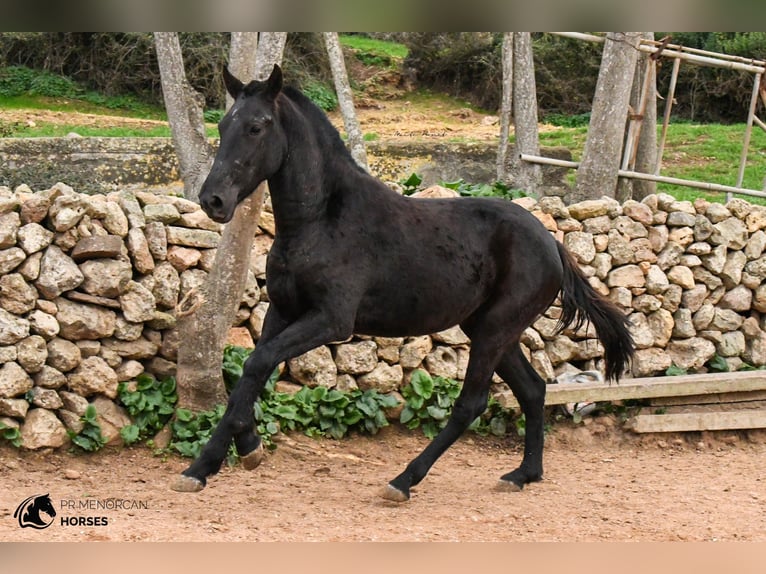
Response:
column 300, row 189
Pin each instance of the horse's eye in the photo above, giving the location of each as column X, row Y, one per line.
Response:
column 255, row 130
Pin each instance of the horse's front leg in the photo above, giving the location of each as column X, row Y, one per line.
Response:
column 310, row 331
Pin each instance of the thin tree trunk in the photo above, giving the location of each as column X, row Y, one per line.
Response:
column 525, row 112
column 204, row 332
column 184, row 106
column 506, row 105
column 242, row 56
column 345, row 99
column 597, row 174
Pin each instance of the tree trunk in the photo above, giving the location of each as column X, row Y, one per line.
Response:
column 242, row 56
column 204, row 332
column 597, row 174
column 525, row 112
column 184, row 107
column 345, row 99
column 506, row 105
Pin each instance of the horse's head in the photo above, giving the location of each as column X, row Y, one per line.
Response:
column 252, row 146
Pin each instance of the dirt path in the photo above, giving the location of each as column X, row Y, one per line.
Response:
column 610, row 486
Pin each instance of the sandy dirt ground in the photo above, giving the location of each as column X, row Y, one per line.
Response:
column 611, row 486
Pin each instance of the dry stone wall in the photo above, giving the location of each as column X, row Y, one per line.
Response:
column 89, row 285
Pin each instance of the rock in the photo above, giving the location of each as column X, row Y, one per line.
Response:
column 442, row 362
column 34, row 209
column 682, row 276
column 384, row 378
column 11, row 258
column 93, row 376
column 12, row 328
column 49, row 378
column 137, row 302
column 33, row 237
column 66, row 211
column 72, row 421
column 356, row 358
column 738, row 299
column 58, row 273
column 755, row 245
column 63, row 355
column 732, row 344
column 656, row 280
column 42, row 429
column 31, row 353
column 192, row 237
column 45, row 398
column 626, row 276
column 643, row 338
column 730, row 232
column 414, row 351
column 649, row 362
column 16, row 295
column 106, row 277
column 691, row 353
column 115, row 221
column 162, row 212
column 97, row 247
column 43, row 324
column 716, row 212
column 111, row 418
column 388, row 348
column 139, row 349
column 726, row 320
column 9, row 229
column 132, row 209
column 14, row 381
column 437, row 191
column 182, row 258
column 157, row 240
column 638, row 212
column 16, row 408
column 71, row 474
column 138, row 247
column 78, row 321
column 452, row 336
column 683, row 327
column 315, row 368
column 580, row 244
column 589, row 208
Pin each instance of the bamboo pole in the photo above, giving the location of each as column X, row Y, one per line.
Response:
column 669, row 52
column 649, row 177
column 748, row 131
column 666, row 118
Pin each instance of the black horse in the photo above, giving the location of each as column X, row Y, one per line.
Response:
column 352, row 256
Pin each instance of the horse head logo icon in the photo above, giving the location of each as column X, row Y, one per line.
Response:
column 28, row 512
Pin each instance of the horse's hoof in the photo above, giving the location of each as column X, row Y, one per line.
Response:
column 393, row 494
column 507, row 486
column 252, row 459
column 184, row 483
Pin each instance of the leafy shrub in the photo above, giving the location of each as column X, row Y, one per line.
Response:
column 321, row 95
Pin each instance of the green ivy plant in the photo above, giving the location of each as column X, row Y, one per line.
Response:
column 89, row 438
column 10, row 434
column 150, row 406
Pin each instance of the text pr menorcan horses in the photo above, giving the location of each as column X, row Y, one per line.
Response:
column 352, row 256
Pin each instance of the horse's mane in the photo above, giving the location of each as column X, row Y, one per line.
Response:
column 328, row 134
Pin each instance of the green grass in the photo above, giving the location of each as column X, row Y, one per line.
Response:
column 375, row 52
column 709, row 153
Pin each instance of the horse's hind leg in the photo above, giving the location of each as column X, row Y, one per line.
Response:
column 529, row 388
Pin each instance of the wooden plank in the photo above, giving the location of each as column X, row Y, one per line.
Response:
column 650, row 387
column 712, row 399
column 710, row 421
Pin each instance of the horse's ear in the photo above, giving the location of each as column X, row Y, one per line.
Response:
column 233, row 85
column 274, row 83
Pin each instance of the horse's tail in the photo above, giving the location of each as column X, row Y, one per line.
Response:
column 580, row 303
